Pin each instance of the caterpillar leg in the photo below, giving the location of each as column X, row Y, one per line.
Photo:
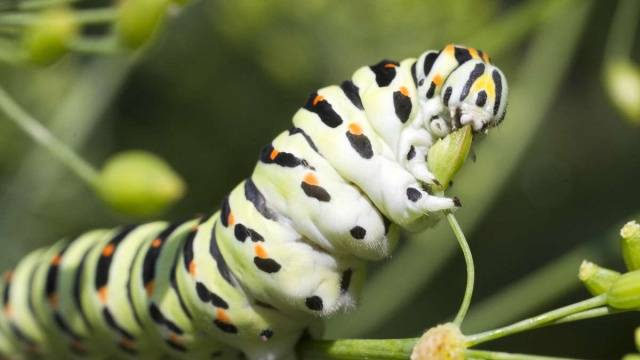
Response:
column 303, row 186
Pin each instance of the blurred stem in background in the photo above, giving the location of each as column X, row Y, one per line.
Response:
column 620, row 72
column 43, row 137
column 426, row 253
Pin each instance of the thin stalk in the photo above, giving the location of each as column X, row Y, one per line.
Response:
column 95, row 45
column 352, row 349
column 623, row 29
column 590, row 314
column 43, row 137
column 494, row 355
column 471, row 272
column 537, row 321
column 39, row 4
column 88, row 16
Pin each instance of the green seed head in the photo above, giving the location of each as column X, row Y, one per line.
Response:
column 139, row 183
column 45, row 41
column 625, row 292
column 139, row 20
column 448, row 154
column 596, row 279
column 622, row 82
column 630, row 234
column 443, row 342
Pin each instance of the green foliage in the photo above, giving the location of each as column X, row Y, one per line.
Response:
column 228, row 75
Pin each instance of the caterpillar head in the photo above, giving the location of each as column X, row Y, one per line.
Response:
column 475, row 93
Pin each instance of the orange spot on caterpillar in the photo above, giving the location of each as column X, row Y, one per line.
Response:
column 8, row 310
column 129, row 344
column 260, row 251
column 474, row 53
column 102, row 294
column 231, row 219
column 175, row 339
column 437, row 79
column 55, row 261
column 149, row 287
column 108, row 250
column 53, row 300
column 390, row 66
column 317, row 99
column 274, row 154
column 311, row 179
column 404, row 91
column 355, row 129
column 449, row 49
column 222, row 315
column 76, row 344
column 156, row 243
column 7, row 275
column 192, row 268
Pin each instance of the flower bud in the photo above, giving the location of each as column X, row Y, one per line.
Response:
column 596, row 279
column 622, row 82
column 443, row 342
column 138, row 20
column 625, row 292
column 630, row 234
column 448, row 154
column 139, row 183
column 45, row 41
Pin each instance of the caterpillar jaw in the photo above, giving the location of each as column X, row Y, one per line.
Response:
column 479, row 119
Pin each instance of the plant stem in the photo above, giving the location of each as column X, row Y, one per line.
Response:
column 471, row 272
column 352, row 349
column 623, row 29
column 43, row 137
column 494, row 355
column 589, row 314
column 537, row 321
column 87, row 16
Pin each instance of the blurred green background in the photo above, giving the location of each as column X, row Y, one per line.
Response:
column 224, row 77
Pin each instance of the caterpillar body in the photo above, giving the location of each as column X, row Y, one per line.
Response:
column 288, row 245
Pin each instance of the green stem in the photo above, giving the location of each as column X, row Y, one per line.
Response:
column 88, row 16
column 494, row 355
column 623, row 29
column 38, row 4
column 471, row 272
column 43, row 137
column 537, row 321
column 352, row 349
column 590, row 314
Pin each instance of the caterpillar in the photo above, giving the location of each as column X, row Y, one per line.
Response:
column 288, row 245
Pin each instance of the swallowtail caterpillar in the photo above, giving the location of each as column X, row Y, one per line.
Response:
column 288, row 245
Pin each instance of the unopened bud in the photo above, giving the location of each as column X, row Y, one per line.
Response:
column 622, row 82
column 45, row 41
column 447, row 155
column 625, row 292
column 139, row 183
column 443, row 342
column 595, row 278
column 138, row 20
column 630, row 234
